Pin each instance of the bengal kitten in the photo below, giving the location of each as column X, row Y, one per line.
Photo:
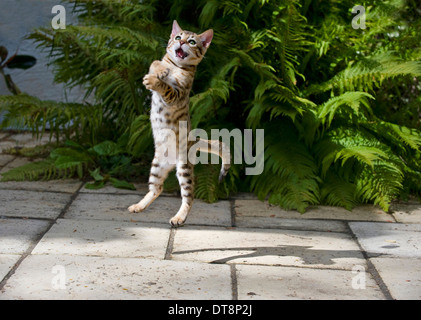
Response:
column 170, row 81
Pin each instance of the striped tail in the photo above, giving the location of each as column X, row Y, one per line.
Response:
column 220, row 149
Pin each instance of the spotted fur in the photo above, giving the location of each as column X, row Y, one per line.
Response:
column 170, row 81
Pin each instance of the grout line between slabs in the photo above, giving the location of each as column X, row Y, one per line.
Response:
column 170, row 244
column 371, row 269
column 232, row 211
column 234, row 282
column 38, row 239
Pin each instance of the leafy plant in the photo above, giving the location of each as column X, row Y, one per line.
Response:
column 14, row 62
column 340, row 106
column 73, row 159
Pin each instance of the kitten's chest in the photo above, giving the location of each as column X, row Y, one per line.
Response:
column 167, row 116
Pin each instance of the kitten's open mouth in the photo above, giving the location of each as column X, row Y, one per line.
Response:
column 180, row 53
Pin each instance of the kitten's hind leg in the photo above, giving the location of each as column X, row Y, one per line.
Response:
column 185, row 178
column 156, row 181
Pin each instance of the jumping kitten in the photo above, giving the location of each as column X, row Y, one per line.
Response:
column 170, row 81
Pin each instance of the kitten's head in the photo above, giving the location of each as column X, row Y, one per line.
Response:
column 186, row 48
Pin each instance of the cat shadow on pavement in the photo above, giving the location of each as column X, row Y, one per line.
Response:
column 308, row 255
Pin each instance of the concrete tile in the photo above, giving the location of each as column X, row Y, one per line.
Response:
column 257, row 208
column 402, row 276
column 244, row 196
column 66, row 185
column 32, row 204
column 6, row 145
column 5, row 158
column 7, row 261
column 269, row 283
column 268, row 247
column 27, row 140
column 22, row 138
column 40, row 277
column 114, row 207
column 103, row 207
column 17, row 162
column 105, row 238
column 141, row 188
column 393, row 239
column 407, row 213
column 3, row 135
column 16, row 235
column 294, row 224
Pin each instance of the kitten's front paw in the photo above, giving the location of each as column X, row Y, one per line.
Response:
column 176, row 221
column 136, row 208
column 163, row 74
column 150, row 81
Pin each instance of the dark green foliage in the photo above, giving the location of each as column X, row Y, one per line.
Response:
column 340, row 107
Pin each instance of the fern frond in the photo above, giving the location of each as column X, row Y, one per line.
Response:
column 206, row 187
column 204, row 104
column 369, row 74
column 39, row 170
column 400, row 136
column 365, row 162
column 353, row 100
column 140, row 136
column 290, row 174
column 336, row 191
column 381, row 185
column 346, row 144
column 68, row 118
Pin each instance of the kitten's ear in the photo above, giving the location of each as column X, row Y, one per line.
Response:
column 175, row 29
column 206, row 37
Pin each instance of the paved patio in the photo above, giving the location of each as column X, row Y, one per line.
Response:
column 59, row 240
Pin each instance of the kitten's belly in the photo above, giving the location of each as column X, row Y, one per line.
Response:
column 165, row 116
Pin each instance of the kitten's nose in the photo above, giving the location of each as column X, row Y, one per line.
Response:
column 181, row 42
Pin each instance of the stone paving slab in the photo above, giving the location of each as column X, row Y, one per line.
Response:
column 16, row 235
column 7, row 261
column 17, row 162
column 141, row 189
column 40, row 276
column 407, row 213
column 269, row 283
column 26, row 139
column 257, row 208
column 32, row 204
column 402, row 276
column 294, row 224
column 114, row 207
column 65, row 185
column 5, row 158
column 6, row 145
column 267, row 247
column 104, row 238
column 392, row 239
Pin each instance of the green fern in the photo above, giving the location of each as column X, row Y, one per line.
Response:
column 369, row 73
column 353, row 100
column 340, row 107
column 59, row 118
column 41, row 170
column 337, row 191
column 290, row 174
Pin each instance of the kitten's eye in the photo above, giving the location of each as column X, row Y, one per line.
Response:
column 192, row 42
column 177, row 38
